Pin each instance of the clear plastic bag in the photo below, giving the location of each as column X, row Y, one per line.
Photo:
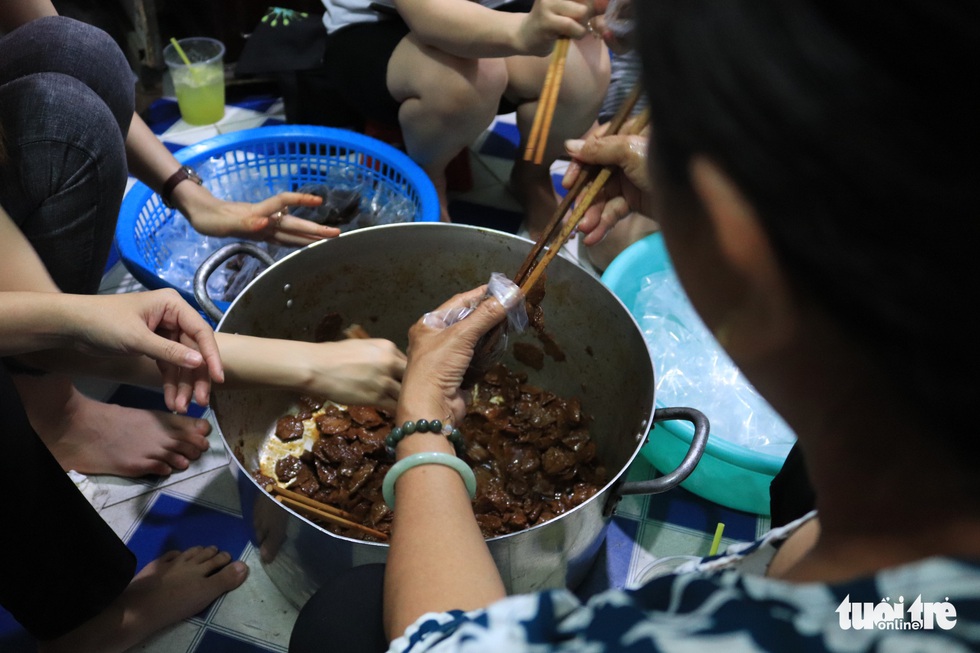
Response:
column 491, row 346
column 499, row 287
column 693, row 370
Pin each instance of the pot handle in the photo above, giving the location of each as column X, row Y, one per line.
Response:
column 686, row 466
column 212, row 263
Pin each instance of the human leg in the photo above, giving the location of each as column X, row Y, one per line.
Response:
column 60, row 563
column 62, row 184
column 442, row 103
column 66, row 576
column 62, row 45
column 580, row 95
column 446, row 102
column 68, row 99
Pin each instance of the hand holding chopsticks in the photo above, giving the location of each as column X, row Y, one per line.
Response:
column 628, row 192
column 586, row 188
column 582, row 193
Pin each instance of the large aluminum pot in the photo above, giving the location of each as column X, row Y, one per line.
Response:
column 385, row 278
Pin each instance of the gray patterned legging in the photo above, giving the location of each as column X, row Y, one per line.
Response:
column 66, row 101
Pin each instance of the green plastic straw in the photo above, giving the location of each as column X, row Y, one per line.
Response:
column 180, row 51
column 195, row 72
column 716, row 542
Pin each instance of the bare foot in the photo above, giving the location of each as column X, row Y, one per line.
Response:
column 173, row 587
column 533, row 188
column 92, row 437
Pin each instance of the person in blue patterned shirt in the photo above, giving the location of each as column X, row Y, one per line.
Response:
column 813, row 168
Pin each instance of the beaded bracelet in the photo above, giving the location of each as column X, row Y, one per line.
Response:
column 426, row 458
column 423, row 426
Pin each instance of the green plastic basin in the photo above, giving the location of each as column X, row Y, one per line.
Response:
column 728, row 474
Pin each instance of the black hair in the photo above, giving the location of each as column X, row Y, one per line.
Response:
column 852, row 128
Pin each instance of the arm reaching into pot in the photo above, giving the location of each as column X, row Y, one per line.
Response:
column 356, row 371
column 438, row 559
column 353, row 371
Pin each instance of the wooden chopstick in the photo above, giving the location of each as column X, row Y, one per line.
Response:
column 313, row 503
column 585, row 177
column 545, row 113
column 313, row 513
column 319, row 510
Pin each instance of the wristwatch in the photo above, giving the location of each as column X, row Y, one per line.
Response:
column 183, row 172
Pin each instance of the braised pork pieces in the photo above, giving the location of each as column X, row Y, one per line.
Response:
column 530, row 450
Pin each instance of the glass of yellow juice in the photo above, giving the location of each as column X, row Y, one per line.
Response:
column 200, row 86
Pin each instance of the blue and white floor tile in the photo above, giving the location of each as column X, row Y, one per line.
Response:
column 201, row 505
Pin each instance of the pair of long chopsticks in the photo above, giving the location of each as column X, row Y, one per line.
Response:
column 317, row 510
column 587, row 185
column 538, row 139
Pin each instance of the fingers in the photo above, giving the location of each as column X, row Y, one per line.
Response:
column 467, row 298
column 177, row 391
column 465, row 326
column 189, row 323
column 553, row 19
column 590, row 222
column 175, row 362
column 277, row 225
column 202, row 387
column 185, row 349
column 180, row 386
column 628, row 153
column 185, row 390
column 577, row 12
column 571, row 174
column 575, row 166
column 609, row 150
column 282, row 200
column 390, row 392
column 192, row 383
column 290, row 230
column 605, row 219
column 170, row 375
column 399, row 362
column 484, row 317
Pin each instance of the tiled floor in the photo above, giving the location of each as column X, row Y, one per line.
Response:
column 201, row 505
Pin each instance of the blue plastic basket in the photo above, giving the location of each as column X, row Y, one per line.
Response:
column 728, row 474
column 287, row 157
